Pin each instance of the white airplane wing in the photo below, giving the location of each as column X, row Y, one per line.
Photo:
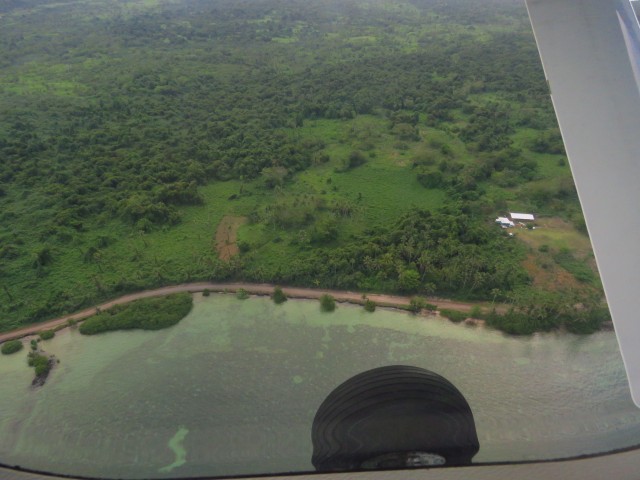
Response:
column 590, row 51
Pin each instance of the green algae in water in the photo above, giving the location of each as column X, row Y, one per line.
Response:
column 176, row 445
column 230, row 372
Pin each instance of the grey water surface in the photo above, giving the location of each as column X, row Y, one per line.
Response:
column 233, row 389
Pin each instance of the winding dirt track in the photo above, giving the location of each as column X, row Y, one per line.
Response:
column 256, row 289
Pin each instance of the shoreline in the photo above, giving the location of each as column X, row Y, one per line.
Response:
column 381, row 300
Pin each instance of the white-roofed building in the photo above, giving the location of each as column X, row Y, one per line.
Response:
column 522, row 217
column 505, row 222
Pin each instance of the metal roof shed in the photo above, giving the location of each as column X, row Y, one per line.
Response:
column 521, row 216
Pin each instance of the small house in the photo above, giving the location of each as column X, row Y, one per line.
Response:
column 504, row 222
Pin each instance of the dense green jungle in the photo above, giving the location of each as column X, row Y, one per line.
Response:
column 351, row 144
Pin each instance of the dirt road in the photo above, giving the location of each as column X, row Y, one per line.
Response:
column 256, row 289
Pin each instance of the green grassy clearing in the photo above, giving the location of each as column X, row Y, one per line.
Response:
column 379, row 191
column 556, row 234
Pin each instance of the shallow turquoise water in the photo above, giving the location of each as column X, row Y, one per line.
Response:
column 233, row 388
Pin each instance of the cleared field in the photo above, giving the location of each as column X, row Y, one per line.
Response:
column 557, row 234
column 227, row 235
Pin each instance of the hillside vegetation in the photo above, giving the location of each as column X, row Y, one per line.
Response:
column 369, row 144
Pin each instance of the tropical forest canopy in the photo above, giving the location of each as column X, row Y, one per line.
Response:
column 361, row 144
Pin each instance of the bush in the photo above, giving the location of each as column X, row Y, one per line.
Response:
column 354, row 160
column 416, row 304
column 72, row 323
column 409, row 281
column 588, row 321
column 476, row 312
column 145, row 314
column 431, row 307
column 47, row 334
column 42, row 369
column 580, row 224
column 278, row 296
column 40, row 363
column 12, row 346
column 370, row 305
column 206, row 292
column 327, row 303
column 242, row 294
column 324, row 231
column 431, row 179
column 453, row 315
column 513, row 322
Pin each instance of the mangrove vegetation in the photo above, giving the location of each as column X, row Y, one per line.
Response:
column 145, row 314
column 12, row 346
